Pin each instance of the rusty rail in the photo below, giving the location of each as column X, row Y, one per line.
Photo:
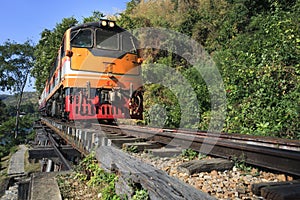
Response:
column 272, row 153
column 275, row 154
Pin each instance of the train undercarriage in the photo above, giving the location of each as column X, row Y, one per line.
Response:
column 95, row 103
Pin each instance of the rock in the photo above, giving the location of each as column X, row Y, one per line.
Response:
column 236, row 194
column 254, row 171
column 225, row 184
column 241, row 189
column 75, row 183
column 290, row 178
column 207, row 177
column 281, row 177
column 214, row 173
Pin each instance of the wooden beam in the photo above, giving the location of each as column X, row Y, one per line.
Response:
column 157, row 182
column 277, row 190
column 197, row 166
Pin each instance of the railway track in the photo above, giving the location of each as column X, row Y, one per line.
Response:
column 281, row 155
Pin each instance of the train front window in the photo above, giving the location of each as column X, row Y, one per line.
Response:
column 82, row 38
column 107, row 40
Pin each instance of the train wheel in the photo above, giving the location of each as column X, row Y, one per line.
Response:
column 107, row 121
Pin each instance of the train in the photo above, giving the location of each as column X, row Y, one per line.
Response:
column 96, row 75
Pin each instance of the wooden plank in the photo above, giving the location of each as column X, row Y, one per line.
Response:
column 157, row 182
column 281, row 192
column 165, row 152
column 118, row 142
column 197, row 166
column 141, row 146
column 256, row 188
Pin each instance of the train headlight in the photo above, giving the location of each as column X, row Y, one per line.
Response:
column 111, row 24
column 103, row 23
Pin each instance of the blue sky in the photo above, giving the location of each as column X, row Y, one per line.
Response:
column 21, row 20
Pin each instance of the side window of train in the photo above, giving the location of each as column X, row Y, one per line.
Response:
column 56, row 64
column 62, row 49
column 81, row 38
column 129, row 43
column 107, row 40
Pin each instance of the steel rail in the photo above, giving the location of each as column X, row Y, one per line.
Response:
column 280, row 143
column 282, row 160
column 54, row 144
column 271, row 153
column 61, row 133
column 276, row 154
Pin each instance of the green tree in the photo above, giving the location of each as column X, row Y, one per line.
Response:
column 47, row 47
column 257, row 48
column 262, row 73
column 96, row 16
column 8, row 141
column 46, row 51
column 16, row 61
column 3, row 113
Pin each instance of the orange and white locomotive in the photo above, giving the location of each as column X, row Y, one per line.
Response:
column 97, row 75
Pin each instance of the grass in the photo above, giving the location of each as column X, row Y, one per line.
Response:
column 3, row 172
column 4, row 166
column 30, row 166
column 5, row 163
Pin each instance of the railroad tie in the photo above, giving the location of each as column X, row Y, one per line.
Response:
column 287, row 190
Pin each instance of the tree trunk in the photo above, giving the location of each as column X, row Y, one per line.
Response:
column 19, row 104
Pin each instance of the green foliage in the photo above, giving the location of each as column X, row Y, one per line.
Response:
column 140, row 195
column 189, row 154
column 29, row 105
column 16, row 61
column 256, row 46
column 8, row 141
column 175, row 94
column 47, row 47
column 96, row 16
column 132, row 148
column 46, row 51
column 147, row 14
column 90, row 171
column 66, row 188
column 108, row 193
column 81, row 177
column 241, row 164
column 28, row 98
column 261, row 73
column 84, row 166
column 201, row 156
column 3, row 112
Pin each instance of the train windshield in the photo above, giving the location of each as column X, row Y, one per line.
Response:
column 82, row 38
column 104, row 39
column 107, row 40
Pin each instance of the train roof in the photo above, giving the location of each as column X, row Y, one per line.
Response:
column 103, row 24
